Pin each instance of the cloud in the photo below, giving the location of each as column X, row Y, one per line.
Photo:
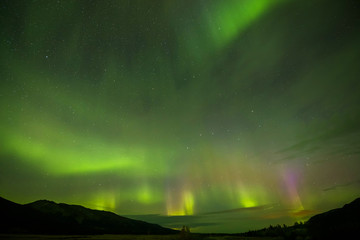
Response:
column 341, row 140
column 286, row 213
column 176, row 221
column 337, row 186
column 262, row 207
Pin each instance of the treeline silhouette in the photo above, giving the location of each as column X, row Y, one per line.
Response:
column 296, row 231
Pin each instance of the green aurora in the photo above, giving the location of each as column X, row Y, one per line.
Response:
column 221, row 115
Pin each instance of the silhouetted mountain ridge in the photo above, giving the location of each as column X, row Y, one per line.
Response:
column 336, row 223
column 48, row 217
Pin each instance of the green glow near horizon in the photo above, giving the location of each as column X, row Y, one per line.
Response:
column 106, row 202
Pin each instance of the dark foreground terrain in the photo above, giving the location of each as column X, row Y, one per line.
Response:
column 129, row 237
column 46, row 220
column 49, row 218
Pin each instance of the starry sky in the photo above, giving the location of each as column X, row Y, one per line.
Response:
column 221, row 115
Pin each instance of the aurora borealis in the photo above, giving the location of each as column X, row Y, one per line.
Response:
column 221, row 115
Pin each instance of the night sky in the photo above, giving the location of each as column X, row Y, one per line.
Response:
column 224, row 115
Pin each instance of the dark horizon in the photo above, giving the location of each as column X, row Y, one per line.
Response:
column 48, row 219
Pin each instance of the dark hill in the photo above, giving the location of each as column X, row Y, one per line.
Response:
column 16, row 218
column 338, row 223
column 47, row 217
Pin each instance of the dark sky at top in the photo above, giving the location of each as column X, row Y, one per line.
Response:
column 224, row 115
